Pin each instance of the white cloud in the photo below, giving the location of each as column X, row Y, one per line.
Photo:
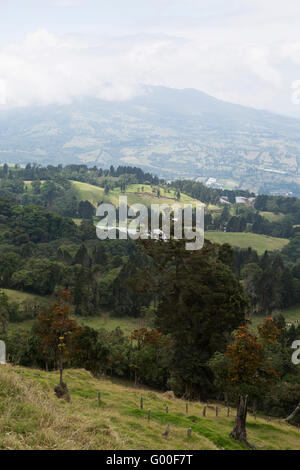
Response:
column 248, row 55
column 66, row 3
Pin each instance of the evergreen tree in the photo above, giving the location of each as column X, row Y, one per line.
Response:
column 200, row 302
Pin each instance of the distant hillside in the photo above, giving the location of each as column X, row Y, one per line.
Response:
column 258, row 242
column 135, row 193
column 172, row 133
column 32, row 418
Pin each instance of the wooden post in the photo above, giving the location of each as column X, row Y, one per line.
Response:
column 99, row 398
column 186, row 407
column 217, row 411
column 142, row 404
column 204, row 411
column 228, row 412
column 149, row 415
column 189, row 432
column 167, row 409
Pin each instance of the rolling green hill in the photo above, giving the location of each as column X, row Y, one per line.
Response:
column 135, row 193
column 88, row 192
column 146, row 194
column 271, row 216
column 32, row 418
column 260, row 243
column 19, row 297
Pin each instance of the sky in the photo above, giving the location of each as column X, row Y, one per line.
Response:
column 242, row 51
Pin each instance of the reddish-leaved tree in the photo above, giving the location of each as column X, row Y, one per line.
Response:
column 249, row 371
column 58, row 331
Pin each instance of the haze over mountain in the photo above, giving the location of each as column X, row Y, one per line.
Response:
column 173, row 133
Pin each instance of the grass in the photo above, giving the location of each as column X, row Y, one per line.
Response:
column 291, row 315
column 19, row 327
column 260, row 243
column 105, row 320
column 271, row 216
column 77, row 221
column 127, row 324
column 88, row 192
column 141, row 189
column 134, row 195
column 32, row 418
column 19, row 297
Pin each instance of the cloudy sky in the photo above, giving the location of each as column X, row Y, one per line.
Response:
column 243, row 51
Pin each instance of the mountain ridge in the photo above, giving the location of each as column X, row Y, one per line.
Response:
column 173, row 133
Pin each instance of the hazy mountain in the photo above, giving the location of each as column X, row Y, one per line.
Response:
column 170, row 132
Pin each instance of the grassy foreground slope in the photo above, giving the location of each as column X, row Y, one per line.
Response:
column 260, row 243
column 32, row 418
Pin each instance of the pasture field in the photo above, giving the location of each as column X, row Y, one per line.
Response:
column 31, row 417
column 136, row 193
column 272, row 217
column 260, row 243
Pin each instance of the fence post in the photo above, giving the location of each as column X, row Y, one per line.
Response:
column 142, row 403
column 186, row 407
column 149, row 415
column 204, row 411
column 167, row 409
column 189, row 432
column 217, row 411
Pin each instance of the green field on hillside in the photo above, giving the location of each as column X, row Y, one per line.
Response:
column 260, row 243
column 135, row 193
column 19, row 297
column 291, row 315
column 88, row 192
column 271, row 216
column 32, row 418
column 108, row 322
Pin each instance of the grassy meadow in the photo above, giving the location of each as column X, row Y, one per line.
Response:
column 260, row 243
column 19, row 297
column 291, row 315
column 31, row 417
column 271, row 216
column 136, row 193
column 108, row 322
